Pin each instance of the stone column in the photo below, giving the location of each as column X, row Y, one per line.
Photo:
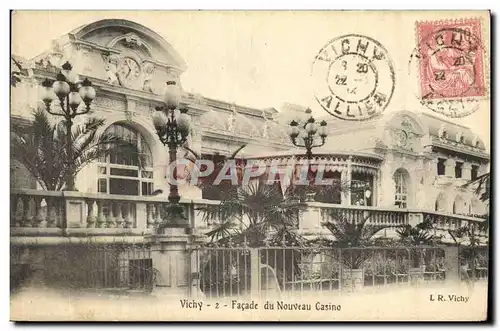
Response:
column 449, row 168
column 433, row 168
column 387, row 188
column 310, row 219
column 75, row 210
column 171, row 252
column 466, row 171
column 345, row 179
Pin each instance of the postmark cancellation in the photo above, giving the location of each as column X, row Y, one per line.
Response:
column 451, row 68
column 353, row 77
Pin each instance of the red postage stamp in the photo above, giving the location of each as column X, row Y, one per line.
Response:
column 451, row 59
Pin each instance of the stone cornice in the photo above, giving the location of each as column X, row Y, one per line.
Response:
column 235, row 137
column 469, row 151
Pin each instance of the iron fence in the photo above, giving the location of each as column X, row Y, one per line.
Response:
column 113, row 267
column 474, row 262
column 217, row 272
column 280, row 271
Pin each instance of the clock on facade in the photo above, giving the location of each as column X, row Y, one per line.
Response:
column 129, row 71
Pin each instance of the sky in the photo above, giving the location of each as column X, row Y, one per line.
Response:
column 258, row 59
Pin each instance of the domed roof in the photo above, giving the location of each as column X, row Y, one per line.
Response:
column 105, row 32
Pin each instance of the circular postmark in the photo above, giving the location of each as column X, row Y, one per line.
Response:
column 353, row 77
column 449, row 66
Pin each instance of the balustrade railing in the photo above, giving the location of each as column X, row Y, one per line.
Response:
column 71, row 210
column 374, row 215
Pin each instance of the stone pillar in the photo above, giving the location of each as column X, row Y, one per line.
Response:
column 172, row 258
column 346, row 177
column 76, row 210
column 433, row 167
column 415, row 218
column 387, row 188
column 449, row 168
column 376, row 188
column 310, row 219
column 466, row 171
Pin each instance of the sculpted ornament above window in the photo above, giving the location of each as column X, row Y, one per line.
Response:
column 401, row 138
column 443, row 134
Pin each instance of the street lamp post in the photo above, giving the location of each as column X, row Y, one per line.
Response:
column 311, row 135
column 172, row 126
column 75, row 98
column 308, row 135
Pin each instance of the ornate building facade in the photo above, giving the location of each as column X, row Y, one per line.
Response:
column 410, row 160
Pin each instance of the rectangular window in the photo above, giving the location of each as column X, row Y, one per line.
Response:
column 124, row 172
column 147, row 188
column 474, row 172
column 123, row 186
column 458, row 169
column 441, row 167
column 102, row 186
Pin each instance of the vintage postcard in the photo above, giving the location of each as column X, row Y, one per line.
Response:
column 250, row 165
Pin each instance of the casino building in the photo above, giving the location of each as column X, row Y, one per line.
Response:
column 410, row 159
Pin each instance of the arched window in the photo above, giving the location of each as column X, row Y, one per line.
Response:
column 459, row 205
column 440, row 203
column 402, row 183
column 119, row 172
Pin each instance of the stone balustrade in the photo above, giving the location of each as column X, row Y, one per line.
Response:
column 42, row 213
column 63, row 213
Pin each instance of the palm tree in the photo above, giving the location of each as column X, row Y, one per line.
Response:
column 419, row 234
column 351, row 234
column 41, row 147
column 16, row 73
column 253, row 215
column 483, row 186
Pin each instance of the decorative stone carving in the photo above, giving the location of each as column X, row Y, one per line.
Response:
column 53, row 58
column 231, row 122
column 443, row 133
column 265, row 128
column 132, row 40
column 110, row 103
column 111, row 67
column 475, row 142
column 145, row 109
column 148, row 71
column 85, row 60
column 129, row 115
column 405, row 134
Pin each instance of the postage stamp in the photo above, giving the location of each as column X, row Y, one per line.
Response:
column 354, row 77
column 451, row 66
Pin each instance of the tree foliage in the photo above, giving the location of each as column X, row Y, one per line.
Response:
column 255, row 213
column 41, row 147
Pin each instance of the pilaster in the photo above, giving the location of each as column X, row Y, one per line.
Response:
column 449, row 168
column 466, row 171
